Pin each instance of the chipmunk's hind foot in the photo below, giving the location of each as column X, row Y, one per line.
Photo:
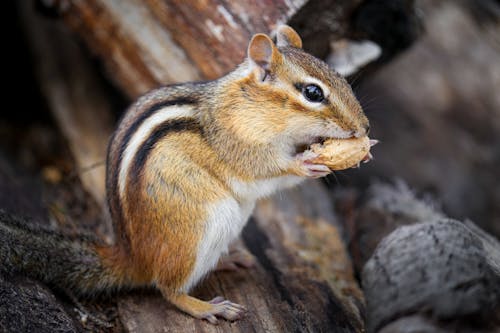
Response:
column 235, row 259
column 210, row 311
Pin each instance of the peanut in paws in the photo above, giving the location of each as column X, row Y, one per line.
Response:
column 340, row 154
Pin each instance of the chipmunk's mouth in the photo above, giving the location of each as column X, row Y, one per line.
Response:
column 302, row 147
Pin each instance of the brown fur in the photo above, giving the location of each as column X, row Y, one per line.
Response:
column 168, row 208
column 245, row 127
column 286, row 36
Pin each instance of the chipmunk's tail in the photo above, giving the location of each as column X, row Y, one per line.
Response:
column 77, row 264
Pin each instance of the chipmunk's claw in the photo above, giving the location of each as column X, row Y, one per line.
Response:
column 367, row 158
column 309, row 169
column 316, row 170
column 225, row 309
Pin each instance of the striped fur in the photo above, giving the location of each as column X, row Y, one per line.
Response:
column 184, row 169
column 162, row 121
column 188, row 162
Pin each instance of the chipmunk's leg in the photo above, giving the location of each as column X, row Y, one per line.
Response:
column 237, row 257
column 174, row 289
column 217, row 307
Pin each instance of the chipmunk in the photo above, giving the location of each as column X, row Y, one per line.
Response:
column 184, row 169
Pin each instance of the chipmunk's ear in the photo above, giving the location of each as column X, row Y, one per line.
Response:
column 286, row 36
column 263, row 54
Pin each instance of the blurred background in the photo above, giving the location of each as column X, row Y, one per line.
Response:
column 436, row 110
column 426, row 72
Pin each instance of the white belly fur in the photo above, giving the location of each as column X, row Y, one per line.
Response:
column 262, row 188
column 225, row 221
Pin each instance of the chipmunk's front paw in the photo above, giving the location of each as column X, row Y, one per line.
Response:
column 316, row 170
column 305, row 168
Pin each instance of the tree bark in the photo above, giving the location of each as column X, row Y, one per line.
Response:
column 149, row 43
column 28, row 306
column 75, row 95
column 439, row 130
column 304, row 279
column 145, row 44
column 431, row 273
column 441, row 271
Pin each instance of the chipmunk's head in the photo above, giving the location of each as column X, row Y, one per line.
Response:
column 291, row 95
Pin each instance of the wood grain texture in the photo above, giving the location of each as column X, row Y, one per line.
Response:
column 431, row 273
column 443, row 270
column 75, row 96
column 138, row 53
column 144, row 44
column 28, row 306
column 148, row 43
column 225, row 27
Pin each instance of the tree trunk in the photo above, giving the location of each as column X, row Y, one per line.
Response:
column 148, row 43
column 304, row 279
column 431, row 273
column 75, row 95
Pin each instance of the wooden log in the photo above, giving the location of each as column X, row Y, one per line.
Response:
column 145, row 44
column 443, row 271
column 450, row 104
column 303, row 280
column 297, row 284
column 432, row 273
column 27, row 306
column 148, row 43
column 384, row 208
column 137, row 51
column 75, row 95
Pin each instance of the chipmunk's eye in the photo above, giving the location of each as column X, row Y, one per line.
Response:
column 313, row 93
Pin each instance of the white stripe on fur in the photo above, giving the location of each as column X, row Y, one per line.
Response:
column 143, row 133
column 225, row 221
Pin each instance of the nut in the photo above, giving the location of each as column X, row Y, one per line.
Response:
column 340, row 154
